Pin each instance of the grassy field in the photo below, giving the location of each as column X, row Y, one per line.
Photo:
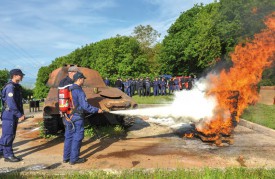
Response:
column 261, row 114
column 206, row 173
column 153, row 99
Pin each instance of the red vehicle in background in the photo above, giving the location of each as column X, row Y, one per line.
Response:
column 183, row 81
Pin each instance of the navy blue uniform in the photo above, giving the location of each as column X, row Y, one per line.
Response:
column 156, row 87
column 66, row 81
column 147, row 87
column 163, row 85
column 107, row 82
column 118, row 84
column 141, row 87
column 171, row 86
column 12, row 110
column 128, row 87
column 74, row 132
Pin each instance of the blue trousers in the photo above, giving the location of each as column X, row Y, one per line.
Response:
column 74, row 134
column 156, row 91
column 163, row 91
column 128, row 91
column 8, row 135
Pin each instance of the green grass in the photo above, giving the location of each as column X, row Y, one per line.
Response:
column 204, row 173
column 42, row 133
column 153, row 99
column 261, row 114
column 106, row 131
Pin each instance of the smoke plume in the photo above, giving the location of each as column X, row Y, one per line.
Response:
column 187, row 106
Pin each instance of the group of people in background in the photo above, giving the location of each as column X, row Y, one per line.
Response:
column 159, row 86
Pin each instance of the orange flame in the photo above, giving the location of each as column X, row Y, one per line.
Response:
column 189, row 135
column 249, row 61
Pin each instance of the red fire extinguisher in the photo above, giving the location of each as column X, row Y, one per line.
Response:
column 64, row 99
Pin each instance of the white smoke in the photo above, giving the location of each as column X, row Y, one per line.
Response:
column 188, row 106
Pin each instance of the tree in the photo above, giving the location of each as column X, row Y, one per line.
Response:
column 41, row 90
column 204, row 35
column 26, row 92
column 241, row 19
column 192, row 43
column 146, row 35
column 119, row 56
column 4, row 76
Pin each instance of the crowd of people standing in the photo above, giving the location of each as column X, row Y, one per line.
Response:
column 146, row 87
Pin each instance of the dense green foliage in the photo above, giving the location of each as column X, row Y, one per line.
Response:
column 41, row 90
column 27, row 93
column 4, row 76
column 200, row 38
column 146, row 35
column 192, row 43
column 203, row 173
column 204, row 35
column 115, row 57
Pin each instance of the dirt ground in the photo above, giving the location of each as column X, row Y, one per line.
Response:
column 147, row 145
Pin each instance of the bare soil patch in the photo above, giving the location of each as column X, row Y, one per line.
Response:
column 146, row 145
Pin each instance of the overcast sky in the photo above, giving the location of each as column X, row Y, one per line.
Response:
column 33, row 33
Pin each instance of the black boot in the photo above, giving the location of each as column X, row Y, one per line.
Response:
column 80, row 160
column 12, row 159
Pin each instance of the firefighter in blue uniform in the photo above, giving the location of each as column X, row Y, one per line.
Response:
column 147, row 87
column 163, row 85
column 156, row 87
column 141, row 87
column 107, row 81
column 68, row 80
column 65, row 83
column 128, row 87
column 12, row 112
column 74, row 132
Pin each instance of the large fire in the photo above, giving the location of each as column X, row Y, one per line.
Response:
column 239, row 82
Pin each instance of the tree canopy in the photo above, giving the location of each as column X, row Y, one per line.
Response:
column 4, row 76
column 204, row 35
column 198, row 39
column 146, row 35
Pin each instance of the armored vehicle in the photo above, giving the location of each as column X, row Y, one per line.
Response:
column 98, row 94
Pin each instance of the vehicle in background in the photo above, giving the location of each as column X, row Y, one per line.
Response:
column 184, row 81
column 97, row 93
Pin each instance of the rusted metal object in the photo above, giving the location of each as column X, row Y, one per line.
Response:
column 98, row 95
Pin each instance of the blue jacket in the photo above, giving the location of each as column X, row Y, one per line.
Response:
column 156, row 83
column 12, row 101
column 163, row 84
column 107, row 82
column 80, row 101
column 66, row 82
